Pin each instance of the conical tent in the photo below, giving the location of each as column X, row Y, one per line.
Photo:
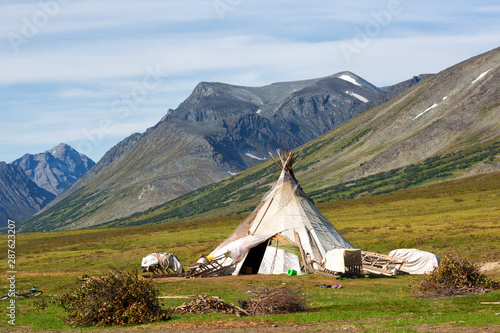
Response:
column 287, row 215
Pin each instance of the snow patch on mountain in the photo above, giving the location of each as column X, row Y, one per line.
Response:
column 361, row 98
column 349, row 79
column 481, row 76
column 255, row 157
column 426, row 110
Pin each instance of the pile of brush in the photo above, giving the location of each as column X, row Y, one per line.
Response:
column 266, row 301
column 203, row 304
column 274, row 301
column 455, row 277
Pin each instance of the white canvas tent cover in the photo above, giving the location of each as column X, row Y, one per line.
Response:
column 285, row 210
column 416, row 261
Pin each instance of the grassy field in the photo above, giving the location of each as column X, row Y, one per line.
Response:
column 460, row 217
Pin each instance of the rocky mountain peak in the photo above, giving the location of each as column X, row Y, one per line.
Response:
column 56, row 168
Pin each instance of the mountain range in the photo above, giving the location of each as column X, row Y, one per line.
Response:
column 218, row 131
column 29, row 183
column 445, row 127
column 423, row 130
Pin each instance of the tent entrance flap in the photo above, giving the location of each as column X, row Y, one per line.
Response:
column 254, row 259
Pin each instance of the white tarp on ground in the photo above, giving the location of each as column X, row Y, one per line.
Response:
column 164, row 260
column 417, row 261
column 278, row 261
column 337, row 259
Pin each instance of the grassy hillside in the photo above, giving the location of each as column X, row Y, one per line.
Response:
column 239, row 194
column 460, row 216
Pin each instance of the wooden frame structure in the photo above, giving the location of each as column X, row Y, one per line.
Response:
column 210, row 268
column 380, row 263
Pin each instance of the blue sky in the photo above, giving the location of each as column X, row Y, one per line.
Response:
column 89, row 73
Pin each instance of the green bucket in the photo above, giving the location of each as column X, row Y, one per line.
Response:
column 292, row 272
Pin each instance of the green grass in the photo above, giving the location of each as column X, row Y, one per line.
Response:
column 460, row 217
column 373, row 303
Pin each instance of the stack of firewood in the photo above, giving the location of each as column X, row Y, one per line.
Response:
column 203, row 304
column 266, row 301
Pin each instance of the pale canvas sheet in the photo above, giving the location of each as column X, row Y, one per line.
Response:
column 288, row 209
column 417, row 261
column 278, row 261
column 338, row 259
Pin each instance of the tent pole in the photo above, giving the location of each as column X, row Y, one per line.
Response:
column 315, row 245
column 297, row 238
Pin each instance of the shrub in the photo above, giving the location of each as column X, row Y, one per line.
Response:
column 455, row 276
column 119, row 298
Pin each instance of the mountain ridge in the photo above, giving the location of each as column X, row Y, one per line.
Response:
column 219, row 130
column 444, row 127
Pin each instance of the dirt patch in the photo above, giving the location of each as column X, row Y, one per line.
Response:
column 252, row 327
column 493, row 266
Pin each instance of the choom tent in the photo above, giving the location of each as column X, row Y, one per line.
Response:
column 416, row 261
column 285, row 232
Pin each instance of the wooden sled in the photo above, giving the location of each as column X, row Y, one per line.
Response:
column 381, row 264
column 208, row 269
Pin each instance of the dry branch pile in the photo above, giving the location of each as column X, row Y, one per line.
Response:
column 454, row 277
column 266, row 301
column 274, row 301
column 203, row 304
column 116, row 299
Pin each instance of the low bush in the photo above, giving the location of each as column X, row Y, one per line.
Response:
column 116, row 299
column 455, row 276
